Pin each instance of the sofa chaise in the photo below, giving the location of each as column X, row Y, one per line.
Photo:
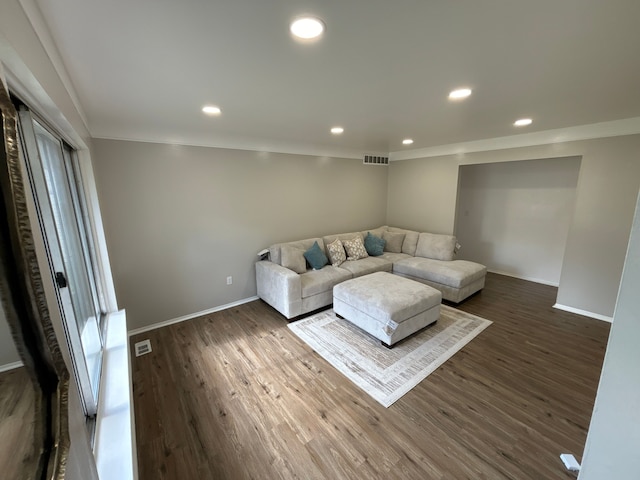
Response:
column 286, row 282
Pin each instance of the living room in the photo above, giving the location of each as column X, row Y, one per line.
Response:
column 182, row 215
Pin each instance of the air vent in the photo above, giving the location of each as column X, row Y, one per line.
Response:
column 375, row 160
column 142, row 348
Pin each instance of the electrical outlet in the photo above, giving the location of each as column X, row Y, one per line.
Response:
column 229, row 280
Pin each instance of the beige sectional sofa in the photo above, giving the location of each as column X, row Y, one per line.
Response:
column 424, row 257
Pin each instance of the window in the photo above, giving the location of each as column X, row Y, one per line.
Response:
column 53, row 170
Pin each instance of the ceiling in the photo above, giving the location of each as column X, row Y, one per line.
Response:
column 143, row 69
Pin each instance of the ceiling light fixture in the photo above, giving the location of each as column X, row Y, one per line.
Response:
column 337, row 130
column 523, row 122
column 407, row 141
column 211, row 110
column 307, row 27
column 459, row 94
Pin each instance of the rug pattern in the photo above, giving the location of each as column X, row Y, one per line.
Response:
column 387, row 374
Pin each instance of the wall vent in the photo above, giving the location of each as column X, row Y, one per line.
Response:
column 375, row 160
column 142, row 348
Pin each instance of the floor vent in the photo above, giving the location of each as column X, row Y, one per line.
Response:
column 375, row 160
column 143, row 347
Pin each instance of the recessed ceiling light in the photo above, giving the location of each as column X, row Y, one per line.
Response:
column 407, row 141
column 337, row 130
column 307, row 27
column 460, row 93
column 523, row 122
column 211, row 110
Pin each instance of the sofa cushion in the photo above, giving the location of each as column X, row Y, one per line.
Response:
column 410, row 239
column 410, row 243
column 315, row 282
column 337, row 255
column 376, row 231
column 304, row 245
column 355, row 249
column 294, row 258
column 374, row 244
column 315, row 256
column 394, row 257
column 393, row 242
column 456, row 273
column 367, row 265
column 437, row 247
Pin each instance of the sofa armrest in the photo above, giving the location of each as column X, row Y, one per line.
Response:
column 279, row 287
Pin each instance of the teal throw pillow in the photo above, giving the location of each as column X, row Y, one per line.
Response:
column 316, row 257
column 374, row 245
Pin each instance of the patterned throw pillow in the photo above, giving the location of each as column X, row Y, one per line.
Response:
column 374, row 244
column 355, row 249
column 336, row 253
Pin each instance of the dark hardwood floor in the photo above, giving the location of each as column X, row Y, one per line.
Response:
column 235, row 395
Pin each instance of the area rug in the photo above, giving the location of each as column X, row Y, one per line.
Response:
column 387, row 374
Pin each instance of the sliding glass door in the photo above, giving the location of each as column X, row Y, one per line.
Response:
column 50, row 162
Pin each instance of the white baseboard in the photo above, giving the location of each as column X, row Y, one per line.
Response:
column 10, row 366
column 528, row 279
column 191, row 315
column 584, row 313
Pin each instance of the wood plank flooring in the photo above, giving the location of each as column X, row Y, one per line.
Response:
column 235, row 395
column 18, row 449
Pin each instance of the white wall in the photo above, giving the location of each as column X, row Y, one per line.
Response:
column 612, row 444
column 599, row 232
column 514, row 217
column 422, row 194
column 8, row 352
column 179, row 219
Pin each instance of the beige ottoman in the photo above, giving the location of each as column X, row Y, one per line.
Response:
column 387, row 306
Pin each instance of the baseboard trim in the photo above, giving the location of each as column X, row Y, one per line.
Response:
column 11, row 366
column 528, row 279
column 584, row 313
column 191, row 316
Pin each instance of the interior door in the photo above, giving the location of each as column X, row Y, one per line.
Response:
column 49, row 162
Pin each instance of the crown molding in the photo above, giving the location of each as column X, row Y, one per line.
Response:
column 615, row 128
column 254, row 145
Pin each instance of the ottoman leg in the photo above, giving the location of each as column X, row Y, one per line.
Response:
column 387, row 345
column 339, row 316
